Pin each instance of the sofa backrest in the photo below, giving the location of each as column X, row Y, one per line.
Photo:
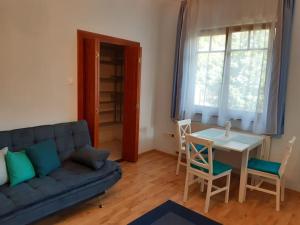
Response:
column 67, row 136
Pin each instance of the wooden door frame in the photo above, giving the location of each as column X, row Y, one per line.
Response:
column 99, row 38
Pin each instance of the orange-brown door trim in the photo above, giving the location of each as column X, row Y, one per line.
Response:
column 130, row 142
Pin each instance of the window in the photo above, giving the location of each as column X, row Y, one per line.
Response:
column 210, row 64
column 232, row 68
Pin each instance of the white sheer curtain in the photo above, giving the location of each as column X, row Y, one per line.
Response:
column 227, row 59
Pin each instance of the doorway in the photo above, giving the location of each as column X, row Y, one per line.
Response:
column 109, row 92
column 111, row 89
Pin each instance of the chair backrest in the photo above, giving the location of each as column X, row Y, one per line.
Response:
column 183, row 128
column 264, row 152
column 287, row 154
column 196, row 157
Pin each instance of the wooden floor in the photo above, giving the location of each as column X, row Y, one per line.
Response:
column 152, row 181
column 114, row 147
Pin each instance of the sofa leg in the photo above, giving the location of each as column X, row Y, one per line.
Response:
column 100, row 197
column 100, row 204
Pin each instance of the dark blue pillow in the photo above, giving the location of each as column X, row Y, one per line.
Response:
column 44, row 157
column 90, row 157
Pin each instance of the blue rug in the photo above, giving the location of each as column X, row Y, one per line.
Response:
column 171, row 213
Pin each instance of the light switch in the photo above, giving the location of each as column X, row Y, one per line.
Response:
column 70, row 81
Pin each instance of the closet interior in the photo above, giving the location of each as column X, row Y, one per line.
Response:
column 111, row 86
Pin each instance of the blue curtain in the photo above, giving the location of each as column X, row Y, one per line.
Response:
column 279, row 77
column 178, row 62
column 287, row 21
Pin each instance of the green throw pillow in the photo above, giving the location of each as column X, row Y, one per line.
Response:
column 44, row 157
column 19, row 167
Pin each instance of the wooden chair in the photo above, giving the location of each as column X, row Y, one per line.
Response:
column 263, row 153
column 204, row 167
column 267, row 170
column 183, row 128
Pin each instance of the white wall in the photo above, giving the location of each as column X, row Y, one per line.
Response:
column 164, row 125
column 38, row 56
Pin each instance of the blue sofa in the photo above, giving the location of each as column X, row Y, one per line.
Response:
column 70, row 184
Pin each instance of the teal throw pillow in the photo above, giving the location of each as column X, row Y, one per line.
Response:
column 19, row 167
column 44, row 157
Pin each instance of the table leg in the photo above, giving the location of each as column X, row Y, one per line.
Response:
column 243, row 178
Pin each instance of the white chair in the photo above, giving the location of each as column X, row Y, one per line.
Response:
column 183, row 128
column 204, row 167
column 263, row 153
column 266, row 170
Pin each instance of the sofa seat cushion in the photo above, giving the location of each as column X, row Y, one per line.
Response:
column 68, row 177
column 83, row 175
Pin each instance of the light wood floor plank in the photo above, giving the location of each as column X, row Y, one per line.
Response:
column 151, row 181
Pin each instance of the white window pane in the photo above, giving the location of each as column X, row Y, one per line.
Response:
column 202, row 64
column 209, row 79
column 261, row 94
column 203, row 43
column 218, row 42
column 266, row 39
column 197, row 96
column 259, row 38
column 247, row 74
column 239, row 40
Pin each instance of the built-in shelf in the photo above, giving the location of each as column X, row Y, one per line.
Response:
column 103, row 124
column 111, row 92
column 111, row 84
column 104, row 111
column 110, row 101
column 112, row 62
column 107, row 102
column 112, row 79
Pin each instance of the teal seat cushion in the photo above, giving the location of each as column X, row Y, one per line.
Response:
column 218, row 167
column 199, row 147
column 264, row 166
column 44, row 157
column 19, row 167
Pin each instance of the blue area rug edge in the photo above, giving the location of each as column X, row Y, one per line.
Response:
column 171, row 206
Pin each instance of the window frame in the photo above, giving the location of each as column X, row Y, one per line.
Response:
column 227, row 51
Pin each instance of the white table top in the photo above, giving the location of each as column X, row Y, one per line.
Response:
column 236, row 141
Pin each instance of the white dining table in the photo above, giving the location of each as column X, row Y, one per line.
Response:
column 237, row 142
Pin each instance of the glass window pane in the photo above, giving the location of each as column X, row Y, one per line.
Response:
column 239, row 40
column 266, row 40
column 203, row 43
column 209, row 78
column 218, row 42
column 247, row 74
column 259, row 38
